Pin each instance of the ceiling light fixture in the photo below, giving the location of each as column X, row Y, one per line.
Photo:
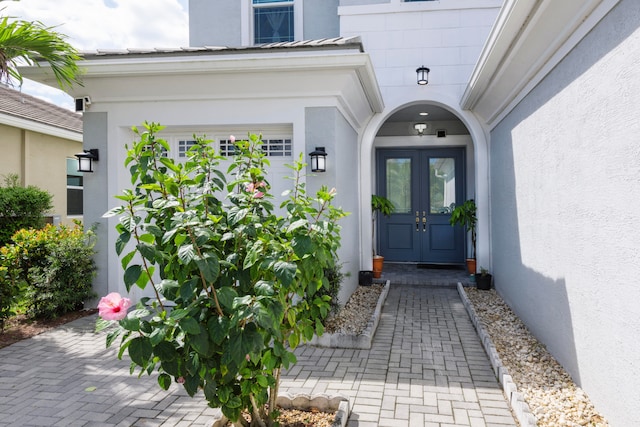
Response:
column 420, row 128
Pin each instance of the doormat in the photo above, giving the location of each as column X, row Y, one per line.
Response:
column 441, row 266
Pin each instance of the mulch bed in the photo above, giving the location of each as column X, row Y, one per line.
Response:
column 19, row 328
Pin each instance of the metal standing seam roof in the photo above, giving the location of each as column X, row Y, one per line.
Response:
column 319, row 44
column 20, row 105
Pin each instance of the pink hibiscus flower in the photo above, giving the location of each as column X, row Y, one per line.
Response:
column 252, row 187
column 113, row 306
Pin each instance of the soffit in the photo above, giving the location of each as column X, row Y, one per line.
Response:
column 528, row 39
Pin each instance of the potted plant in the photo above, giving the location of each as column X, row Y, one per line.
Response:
column 385, row 207
column 465, row 215
column 483, row 279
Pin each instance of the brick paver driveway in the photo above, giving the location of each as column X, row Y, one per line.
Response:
column 426, row 368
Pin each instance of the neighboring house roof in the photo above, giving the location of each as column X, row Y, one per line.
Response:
column 26, row 108
column 319, row 44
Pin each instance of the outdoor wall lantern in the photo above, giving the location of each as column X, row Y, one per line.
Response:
column 423, row 75
column 318, row 160
column 86, row 159
column 420, row 128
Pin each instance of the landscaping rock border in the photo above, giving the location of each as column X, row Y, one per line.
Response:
column 520, row 408
column 360, row 341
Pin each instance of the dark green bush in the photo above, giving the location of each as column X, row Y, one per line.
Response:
column 21, row 208
column 55, row 265
column 334, row 276
column 11, row 289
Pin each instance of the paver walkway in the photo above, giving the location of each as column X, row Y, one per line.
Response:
column 426, row 368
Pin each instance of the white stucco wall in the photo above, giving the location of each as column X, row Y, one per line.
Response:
column 565, row 202
column 446, row 36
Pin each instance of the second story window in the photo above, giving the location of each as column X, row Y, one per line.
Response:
column 273, row 21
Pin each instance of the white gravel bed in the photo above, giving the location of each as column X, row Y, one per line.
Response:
column 354, row 316
column 553, row 397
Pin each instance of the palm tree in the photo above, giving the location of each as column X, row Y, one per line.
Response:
column 29, row 43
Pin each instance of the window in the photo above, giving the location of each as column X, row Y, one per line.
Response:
column 273, row 21
column 75, row 188
column 184, row 146
column 276, row 147
column 162, row 150
column 227, row 148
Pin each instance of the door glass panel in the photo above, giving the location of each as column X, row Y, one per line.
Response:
column 398, row 182
column 442, row 185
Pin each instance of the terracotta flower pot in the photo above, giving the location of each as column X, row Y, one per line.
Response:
column 471, row 265
column 378, row 261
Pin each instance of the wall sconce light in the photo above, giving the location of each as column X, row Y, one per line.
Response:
column 318, row 160
column 86, row 159
column 423, row 75
column 420, row 128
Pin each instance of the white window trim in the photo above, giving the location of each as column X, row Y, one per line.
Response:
column 246, row 23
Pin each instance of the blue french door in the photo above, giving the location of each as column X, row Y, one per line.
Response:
column 424, row 185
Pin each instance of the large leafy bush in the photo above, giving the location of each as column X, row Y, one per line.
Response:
column 237, row 287
column 21, row 207
column 52, row 268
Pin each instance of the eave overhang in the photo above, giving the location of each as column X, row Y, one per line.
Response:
column 529, row 38
column 295, row 58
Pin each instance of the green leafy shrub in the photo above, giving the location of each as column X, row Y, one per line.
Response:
column 53, row 265
column 11, row 287
column 243, row 283
column 334, row 276
column 21, row 207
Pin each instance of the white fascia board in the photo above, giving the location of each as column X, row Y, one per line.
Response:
column 528, row 40
column 184, row 65
column 32, row 126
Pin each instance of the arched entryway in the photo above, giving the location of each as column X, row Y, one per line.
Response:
column 424, row 174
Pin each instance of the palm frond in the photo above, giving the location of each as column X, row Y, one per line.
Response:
column 33, row 43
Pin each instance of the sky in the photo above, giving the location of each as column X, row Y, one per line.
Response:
column 103, row 24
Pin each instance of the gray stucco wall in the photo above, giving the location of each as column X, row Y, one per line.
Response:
column 96, row 203
column 218, row 22
column 214, row 23
column 321, row 19
column 565, row 204
column 326, row 127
